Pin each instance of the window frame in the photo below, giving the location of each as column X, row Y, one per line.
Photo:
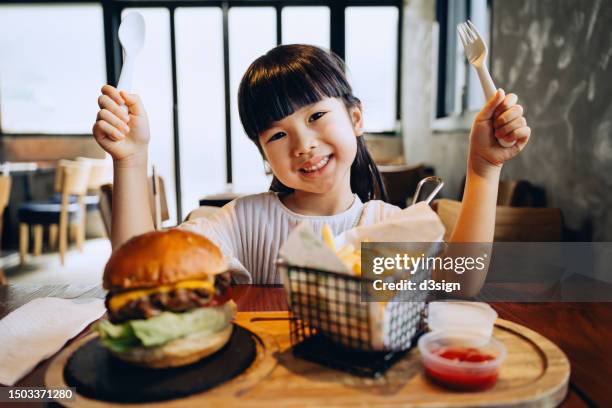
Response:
column 112, row 9
column 444, row 120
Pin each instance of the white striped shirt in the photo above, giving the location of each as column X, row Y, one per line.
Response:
column 251, row 229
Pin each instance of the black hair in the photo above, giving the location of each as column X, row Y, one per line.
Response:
column 290, row 77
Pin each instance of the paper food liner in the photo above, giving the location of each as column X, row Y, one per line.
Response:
column 304, row 248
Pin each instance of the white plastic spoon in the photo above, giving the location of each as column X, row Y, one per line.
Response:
column 132, row 38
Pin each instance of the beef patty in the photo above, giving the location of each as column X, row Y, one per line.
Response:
column 176, row 300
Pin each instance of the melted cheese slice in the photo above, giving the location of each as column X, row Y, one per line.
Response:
column 118, row 301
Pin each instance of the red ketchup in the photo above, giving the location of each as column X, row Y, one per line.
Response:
column 463, row 378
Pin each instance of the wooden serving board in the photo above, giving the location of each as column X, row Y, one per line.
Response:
column 534, row 374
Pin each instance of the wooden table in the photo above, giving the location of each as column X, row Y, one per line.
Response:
column 581, row 330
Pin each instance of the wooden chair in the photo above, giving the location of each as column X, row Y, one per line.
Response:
column 105, row 204
column 71, row 179
column 101, row 173
column 519, row 193
column 90, row 201
column 5, row 193
column 155, row 201
column 512, row 224
column 516, row 193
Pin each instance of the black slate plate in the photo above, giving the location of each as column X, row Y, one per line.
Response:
column 98, row 375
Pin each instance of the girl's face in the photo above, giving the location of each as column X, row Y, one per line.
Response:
column 312, row 150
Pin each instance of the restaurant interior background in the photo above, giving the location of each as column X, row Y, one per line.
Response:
column 404, row 61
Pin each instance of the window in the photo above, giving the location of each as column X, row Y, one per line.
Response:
column 306, row 25
column 252, row 32
column 200, row 79
column 372, row 67
column 187, row 75
column 49, row 77
column 459, row 89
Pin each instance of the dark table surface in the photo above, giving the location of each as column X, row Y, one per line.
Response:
column 582, row 330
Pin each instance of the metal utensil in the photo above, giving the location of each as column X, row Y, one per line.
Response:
column 476, row 53
column 430, row 179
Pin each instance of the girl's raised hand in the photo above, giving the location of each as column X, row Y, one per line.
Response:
column 500, row 118
column 123, row 135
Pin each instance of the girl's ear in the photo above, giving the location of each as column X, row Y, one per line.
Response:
column 357, row 119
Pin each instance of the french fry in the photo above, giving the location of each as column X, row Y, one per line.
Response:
column 345, row 250
column 357, row 268
column 349, row 258
column 328, row 237
column 348, row 254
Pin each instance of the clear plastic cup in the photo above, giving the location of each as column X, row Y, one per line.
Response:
column 459, row 315
column 461, row 360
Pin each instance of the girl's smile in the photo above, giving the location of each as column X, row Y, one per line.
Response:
column 316, row 166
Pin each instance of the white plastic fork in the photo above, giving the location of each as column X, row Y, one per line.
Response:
column 476, row 53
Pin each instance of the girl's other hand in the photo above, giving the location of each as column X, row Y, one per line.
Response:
column 125, row 136
column 501, row 118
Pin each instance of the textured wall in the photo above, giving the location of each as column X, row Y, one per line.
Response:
column 446, row 152
column 556, row 56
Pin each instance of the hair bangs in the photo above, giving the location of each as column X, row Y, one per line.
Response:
column 276, row 85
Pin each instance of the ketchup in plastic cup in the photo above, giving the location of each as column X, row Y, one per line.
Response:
column 461, row 360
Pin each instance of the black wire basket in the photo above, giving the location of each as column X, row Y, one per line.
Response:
column 329, row 323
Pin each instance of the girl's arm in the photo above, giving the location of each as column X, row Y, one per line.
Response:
column 125, row 136
column 476, row 220
column 131, row 213
column 500, row 118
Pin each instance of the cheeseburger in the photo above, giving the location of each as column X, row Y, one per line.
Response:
column 168, row 301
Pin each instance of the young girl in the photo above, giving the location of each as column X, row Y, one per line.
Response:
column 298, row 108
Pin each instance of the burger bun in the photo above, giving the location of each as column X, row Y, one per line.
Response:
column 183, row 351
column 160, row 258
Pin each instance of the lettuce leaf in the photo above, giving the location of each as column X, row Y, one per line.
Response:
column 117, row 337
column 164, row 327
